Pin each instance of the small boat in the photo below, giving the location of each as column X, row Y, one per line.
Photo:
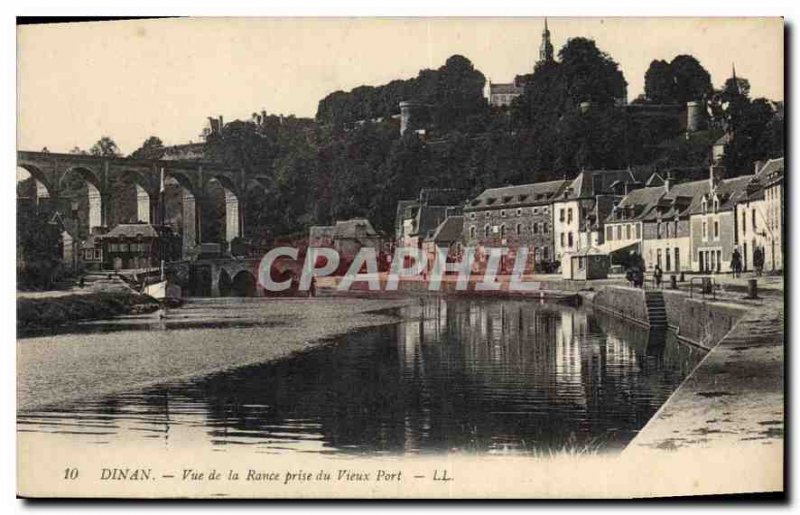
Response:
column 165, row 292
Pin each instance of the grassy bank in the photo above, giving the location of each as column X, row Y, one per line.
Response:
column 35, row 316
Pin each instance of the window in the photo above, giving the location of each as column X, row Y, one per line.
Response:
column 754, row 220
column 562, row 239
column 675, row 229
column 486, row 229
column 519, row 229
column 472, row 232
column 569, row 215
column 610, row 233
column 561, row 215
column 535, row 228
column 716, row 204
column 569, row 240
column 545, row 228
column 619, row 232
column 502, row 230
column 677, row 260
column 668, row 262
column 628, row 232
column 545, row 209
column 502, row 213
column 744, row 222
column 705, row 206
column 638, row 231
column 716, row 229
column 705, row 230
column 536, row 211
column 581, row 263
column 487, row 215
column 658, row 257
column 658, row 231
column 545, row 253
column 472, row 216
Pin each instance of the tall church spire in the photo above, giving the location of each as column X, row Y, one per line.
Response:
column 546, row 48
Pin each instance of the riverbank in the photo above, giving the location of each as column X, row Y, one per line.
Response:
column 66, row 367
column 37, row 315
column 733, row 399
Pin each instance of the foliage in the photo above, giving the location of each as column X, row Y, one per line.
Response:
column 453, row 92
column 105, row 146
column 682, row 80
column 152, row 148
column 38, row 249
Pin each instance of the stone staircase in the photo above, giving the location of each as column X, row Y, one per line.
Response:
column 656, row 311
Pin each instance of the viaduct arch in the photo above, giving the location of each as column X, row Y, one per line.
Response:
column 51, row 171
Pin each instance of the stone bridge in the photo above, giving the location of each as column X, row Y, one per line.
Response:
column 50, row 171
column 235, row 277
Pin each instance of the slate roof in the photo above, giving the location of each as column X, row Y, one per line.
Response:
column 514, row 196
column 353, row 228
column 648, row 204
column 637, row 204
column 583, row 185
column 130, row 231
column 450, row 230
column 428, row 218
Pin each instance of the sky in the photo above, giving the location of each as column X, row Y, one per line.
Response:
column 133, row 79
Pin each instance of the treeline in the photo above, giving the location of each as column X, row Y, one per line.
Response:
column 453, row 92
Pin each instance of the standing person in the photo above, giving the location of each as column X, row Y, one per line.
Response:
column 758, row 260
column 736, row 263
column 312, row 288
column 658, row 274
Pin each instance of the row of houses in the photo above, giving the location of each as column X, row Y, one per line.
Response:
column 693, row 226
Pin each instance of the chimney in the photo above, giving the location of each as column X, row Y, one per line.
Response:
column 668, row 182
column 715, row 175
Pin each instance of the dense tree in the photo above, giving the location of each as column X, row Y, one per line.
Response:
column 682, row 80
column 105, row 146
column 691, row 80
column 38, row 250
column 590, row 74
column 659, row 83
column 453, row 92
column 152, row 148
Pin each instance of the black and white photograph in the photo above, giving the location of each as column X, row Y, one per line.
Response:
column 400, row 258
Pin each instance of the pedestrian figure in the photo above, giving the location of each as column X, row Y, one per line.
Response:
column 736, row 263
column 658, row 274
column 758, row 260
column 312, row 288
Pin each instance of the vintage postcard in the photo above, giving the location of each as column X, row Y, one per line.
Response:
column 400, row 258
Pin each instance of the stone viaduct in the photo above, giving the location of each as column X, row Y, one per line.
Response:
column 51, row 169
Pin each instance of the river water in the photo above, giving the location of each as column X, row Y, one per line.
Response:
column 465, row 375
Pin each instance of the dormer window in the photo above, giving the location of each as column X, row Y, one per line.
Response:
column 704, row 206
column 716, row 204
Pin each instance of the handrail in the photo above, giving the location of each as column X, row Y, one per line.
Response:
column 703, row 280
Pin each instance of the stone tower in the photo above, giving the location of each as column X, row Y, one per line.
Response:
column 545, row 48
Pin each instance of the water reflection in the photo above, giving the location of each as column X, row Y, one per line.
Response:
column 458, row 375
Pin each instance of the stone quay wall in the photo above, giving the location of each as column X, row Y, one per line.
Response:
column 696, row 320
